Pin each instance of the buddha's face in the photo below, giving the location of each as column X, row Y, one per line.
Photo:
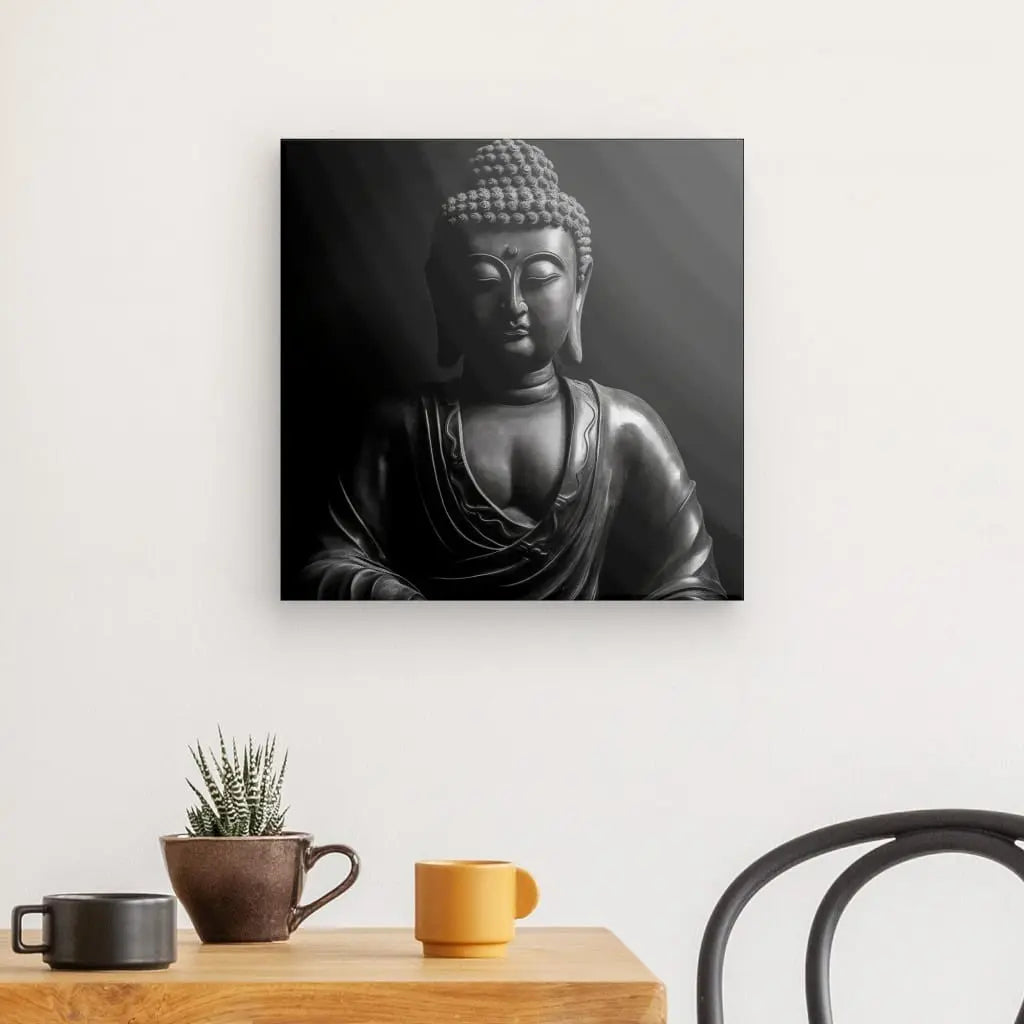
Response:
column 517, row 289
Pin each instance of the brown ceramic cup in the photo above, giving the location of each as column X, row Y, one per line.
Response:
column 247, row 888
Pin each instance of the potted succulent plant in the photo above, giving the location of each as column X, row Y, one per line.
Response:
column 238, row 874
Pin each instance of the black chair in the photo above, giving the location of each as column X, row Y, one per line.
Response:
column 986, row 834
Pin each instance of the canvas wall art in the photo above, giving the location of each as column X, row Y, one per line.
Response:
column 512, row 370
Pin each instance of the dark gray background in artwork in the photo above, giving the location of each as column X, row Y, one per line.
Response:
column 663, row 318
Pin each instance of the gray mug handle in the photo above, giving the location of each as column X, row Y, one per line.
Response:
column 313, row 854
column 17, row 915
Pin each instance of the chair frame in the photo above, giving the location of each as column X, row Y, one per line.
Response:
column 989, row 834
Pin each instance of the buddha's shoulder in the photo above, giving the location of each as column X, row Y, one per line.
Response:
column 629, row 420
column 400, row 418
column 396, row 414
column 388, row 414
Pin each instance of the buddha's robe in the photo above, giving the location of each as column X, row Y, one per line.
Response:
column 410, row 522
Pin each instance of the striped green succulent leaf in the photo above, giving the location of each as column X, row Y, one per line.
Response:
column 243, row 790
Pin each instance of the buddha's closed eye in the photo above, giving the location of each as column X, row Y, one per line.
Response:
column 539, row 279
column 542, row 270
column 485, row 273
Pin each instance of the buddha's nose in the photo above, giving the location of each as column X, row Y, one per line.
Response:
column 514, row 300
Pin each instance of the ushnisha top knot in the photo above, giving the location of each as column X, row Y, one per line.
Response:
column 514, row 183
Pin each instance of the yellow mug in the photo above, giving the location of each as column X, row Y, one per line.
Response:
column 468, row 908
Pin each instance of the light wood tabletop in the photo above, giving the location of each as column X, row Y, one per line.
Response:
column 347, row 976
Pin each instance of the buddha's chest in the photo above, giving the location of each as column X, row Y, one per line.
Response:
column 517, row 454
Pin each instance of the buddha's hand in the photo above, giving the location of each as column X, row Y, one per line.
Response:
column 391, row 588
column 366, row 584
column 343, row 572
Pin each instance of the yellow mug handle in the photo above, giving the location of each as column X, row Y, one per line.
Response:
column 527, row 895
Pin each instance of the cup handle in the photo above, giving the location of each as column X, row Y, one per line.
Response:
column 313, row 854
column 527, row 896
column 17, row 915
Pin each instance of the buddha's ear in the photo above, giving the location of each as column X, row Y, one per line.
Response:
column 575, row 339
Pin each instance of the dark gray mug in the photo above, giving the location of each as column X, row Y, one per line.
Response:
column 102, row 931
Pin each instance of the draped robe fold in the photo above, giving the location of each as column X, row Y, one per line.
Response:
column 410, row 521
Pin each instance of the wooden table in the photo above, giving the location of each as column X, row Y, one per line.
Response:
column 351, row 976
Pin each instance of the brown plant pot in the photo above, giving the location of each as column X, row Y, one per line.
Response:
column 247, row 888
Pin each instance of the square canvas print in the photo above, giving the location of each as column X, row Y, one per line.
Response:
column 512, row 369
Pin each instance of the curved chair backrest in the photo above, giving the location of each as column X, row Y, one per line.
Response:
column 988, row 834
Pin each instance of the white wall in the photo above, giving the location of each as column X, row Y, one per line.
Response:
column 635, row 758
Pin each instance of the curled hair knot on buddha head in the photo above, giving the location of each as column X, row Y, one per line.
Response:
column 513, row 182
